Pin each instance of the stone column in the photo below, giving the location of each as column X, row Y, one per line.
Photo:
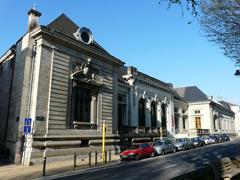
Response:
column 147, row 112
column 180, row 119
column 94, row 109
column 158, row 114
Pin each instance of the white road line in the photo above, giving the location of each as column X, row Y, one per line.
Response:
column 170, row 166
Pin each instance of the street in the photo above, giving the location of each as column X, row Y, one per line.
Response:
column 162, row 167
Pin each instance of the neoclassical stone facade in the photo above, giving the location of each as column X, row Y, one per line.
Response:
column 68, row 85
column 206, row 115
column 150, row 104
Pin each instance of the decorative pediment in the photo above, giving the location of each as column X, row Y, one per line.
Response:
column 85, row 73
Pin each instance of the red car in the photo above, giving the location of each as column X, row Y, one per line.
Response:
column 138, row 151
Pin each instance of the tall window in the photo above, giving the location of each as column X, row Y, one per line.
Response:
column 153, row 115
column 82, row 104
column 198, row 122
column 163, row 115
column 141, row 112
column 215, row 121
column 121, row 111
column 176, row 118
column 184, row 122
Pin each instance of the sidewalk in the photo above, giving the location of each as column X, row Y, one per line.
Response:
column 20, row 172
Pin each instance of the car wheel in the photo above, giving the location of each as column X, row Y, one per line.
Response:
column 163, row 152
column 152, row 154
column 137, row 156
column 174, row 150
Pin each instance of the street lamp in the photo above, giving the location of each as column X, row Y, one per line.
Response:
column 237, row 73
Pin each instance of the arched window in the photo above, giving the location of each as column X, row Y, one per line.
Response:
column 141, row 112
column 153, row 115
column 163, row 115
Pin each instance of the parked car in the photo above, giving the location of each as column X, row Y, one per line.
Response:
column 138, row 151
column 216, row 138
column 226, row 137
column 207, row 140
column 212, row 139
column 183, row 144
column 198, row 141
column 164, row 146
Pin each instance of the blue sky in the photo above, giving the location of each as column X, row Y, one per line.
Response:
column 144, row 34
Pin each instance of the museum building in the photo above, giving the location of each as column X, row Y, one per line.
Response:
column 58, row 87
column 61, row 79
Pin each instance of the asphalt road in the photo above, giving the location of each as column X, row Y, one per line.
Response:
column 162, row 167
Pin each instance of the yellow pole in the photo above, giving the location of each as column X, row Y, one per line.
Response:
column 103, row 140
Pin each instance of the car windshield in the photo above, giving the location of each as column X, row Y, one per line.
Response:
column 179, row 140
column 158, row 143
column 134, row 146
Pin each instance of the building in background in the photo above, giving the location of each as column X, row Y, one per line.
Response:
column 150, row 103
column 181, row 119
column 236, row 109
column 205, row 115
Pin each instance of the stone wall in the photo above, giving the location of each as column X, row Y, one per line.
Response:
column 6, row 75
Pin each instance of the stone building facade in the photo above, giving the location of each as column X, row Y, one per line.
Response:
column 6, row 77
column 205, row 115
column 150, row 105
column 181, row 119
column 67, row 84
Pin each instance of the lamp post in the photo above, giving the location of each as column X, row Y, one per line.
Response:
column 237, row 73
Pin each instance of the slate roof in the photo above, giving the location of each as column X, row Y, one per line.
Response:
column 192, row 94
column 66, row 26
column 227, row 104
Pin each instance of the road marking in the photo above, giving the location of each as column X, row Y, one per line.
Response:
column 170, row 166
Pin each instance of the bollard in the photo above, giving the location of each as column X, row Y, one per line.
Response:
column 110, row 156
column 74, row 161
column 44, row 166
column 105, row 160
column 96, row 158
column 89, row 160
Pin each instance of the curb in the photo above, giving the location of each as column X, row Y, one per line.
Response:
column 85, row 170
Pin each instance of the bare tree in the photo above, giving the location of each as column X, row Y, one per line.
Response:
column 220, row 19
column 184, row 4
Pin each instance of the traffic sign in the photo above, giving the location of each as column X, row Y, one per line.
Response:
column 27, row 125
column 27, row 121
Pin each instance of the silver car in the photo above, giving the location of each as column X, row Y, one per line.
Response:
column 164, row 146
column 183, row 144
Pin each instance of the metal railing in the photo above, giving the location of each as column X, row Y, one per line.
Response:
column 81, row 160
column 87, row 160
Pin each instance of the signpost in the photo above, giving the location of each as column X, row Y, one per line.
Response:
column 27, row 125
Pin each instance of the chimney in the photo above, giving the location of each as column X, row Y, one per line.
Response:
column 132, row 70
column 33, row 16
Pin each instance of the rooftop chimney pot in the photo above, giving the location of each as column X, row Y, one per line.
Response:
column 33, row 16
